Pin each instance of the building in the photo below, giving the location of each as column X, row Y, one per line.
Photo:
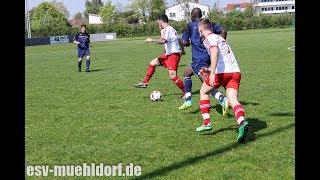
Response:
column 76, row 22
column 182, row 11
column 94, row 19
column 238, row 6
column 274, row 6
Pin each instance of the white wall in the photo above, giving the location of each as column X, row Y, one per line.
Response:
column 94, row 19
column 178, row 11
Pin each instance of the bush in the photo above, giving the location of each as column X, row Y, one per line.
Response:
column 234, row 20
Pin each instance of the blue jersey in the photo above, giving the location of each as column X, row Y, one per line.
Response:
column 191, row 33
column 84, row 39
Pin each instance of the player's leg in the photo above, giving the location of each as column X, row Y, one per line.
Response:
column 80, row 56
column 150, row 71
column 171, row 62
column 223, row 100
column 176, row 80
column 188, row 72
column 238, row 109
column 205, row 107
column 87, row 53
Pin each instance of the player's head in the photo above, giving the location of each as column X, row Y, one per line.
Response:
column 83, row 28
column 204, row 27
column 196, row 13
column 162, row 21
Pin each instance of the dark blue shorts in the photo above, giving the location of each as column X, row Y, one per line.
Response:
column 197, row 65
column 83, row 52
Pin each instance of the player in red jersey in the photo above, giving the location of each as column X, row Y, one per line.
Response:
column 170, row 58
column 224, row 71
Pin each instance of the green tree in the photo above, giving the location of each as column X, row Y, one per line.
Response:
column 78, row 16
column 61, row 7
column 46, row 18
column 92, row 7
column 108, row 12
column 157, row 7
column 142, row 7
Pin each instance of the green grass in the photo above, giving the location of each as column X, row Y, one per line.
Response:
column 72, row 117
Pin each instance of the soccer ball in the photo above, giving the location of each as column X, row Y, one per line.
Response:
column 155, row 96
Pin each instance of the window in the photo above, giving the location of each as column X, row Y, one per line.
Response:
column 271, row 8
column 172, row 15
column 277, row 8
column 292, row 7
column 203, row 13
column 286, row 7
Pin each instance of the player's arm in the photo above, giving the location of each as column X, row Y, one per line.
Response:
column 75, row 39
column 218, row 29
column 182, row 47
column 89, row 42
column 186, row 36
column 214, row 60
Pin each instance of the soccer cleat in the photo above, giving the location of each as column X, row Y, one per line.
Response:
column 185, row 105
column 79, row 70
column 225, row 106
column 141, row 85
column 204, row 127
column 87, row 70
column 243, row 131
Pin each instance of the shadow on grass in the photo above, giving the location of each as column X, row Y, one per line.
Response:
column 195, row 159
column 282, row 114
column 256, row 125
column 249, row 103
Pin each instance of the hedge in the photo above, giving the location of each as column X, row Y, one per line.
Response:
column 231, row 21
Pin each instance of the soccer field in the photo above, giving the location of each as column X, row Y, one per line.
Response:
column 100, row 117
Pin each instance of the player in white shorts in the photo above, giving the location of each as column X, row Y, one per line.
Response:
column 170, row 58
column 224, row 71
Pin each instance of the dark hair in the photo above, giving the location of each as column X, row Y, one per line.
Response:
column 205, row 23
column 163, row 18
column 196, row 13
column 83, row 25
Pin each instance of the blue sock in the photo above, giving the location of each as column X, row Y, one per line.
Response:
column 88, row 63
column 218, row 95
column 187, row 87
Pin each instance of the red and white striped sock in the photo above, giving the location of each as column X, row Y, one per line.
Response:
column 205, row 109
column 150, row 72
column 239, row 113
column 179, row 83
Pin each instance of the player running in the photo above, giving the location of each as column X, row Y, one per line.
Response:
column 82, row 39
column 200, row 58
column 170, row 58
column 224, row 72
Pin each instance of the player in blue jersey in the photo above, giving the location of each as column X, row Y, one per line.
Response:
column 200, row 58
column 82, row 39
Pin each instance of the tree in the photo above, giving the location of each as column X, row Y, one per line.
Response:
column 184, row 4
column 107, row 12
column 92, row 7
column 61, row 7
column 78, row 16
column 157, row 7
column 47, row 18
column 142, row 7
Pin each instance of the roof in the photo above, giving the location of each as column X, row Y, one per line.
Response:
column 76, row 22
column 231, row 6
column 187, row 2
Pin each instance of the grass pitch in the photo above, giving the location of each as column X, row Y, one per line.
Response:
column 73, row 118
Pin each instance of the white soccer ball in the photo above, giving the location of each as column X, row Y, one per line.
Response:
column 155, row 96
